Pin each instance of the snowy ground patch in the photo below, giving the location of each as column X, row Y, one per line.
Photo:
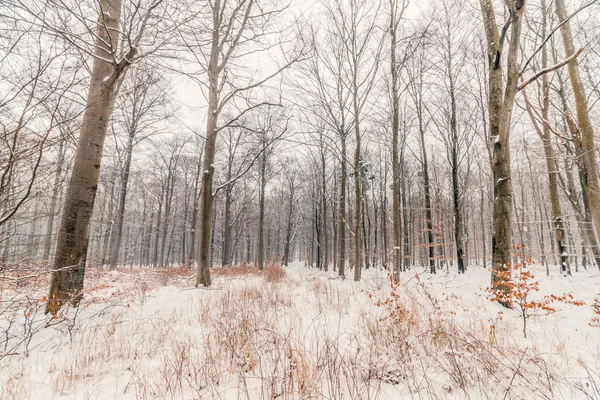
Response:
column 299, row 334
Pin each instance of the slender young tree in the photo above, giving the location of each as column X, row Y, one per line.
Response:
column 397, row 8
column 235, row 26
column 140, row 110
column 355, row 24
column 417, row 83
column 329, row 100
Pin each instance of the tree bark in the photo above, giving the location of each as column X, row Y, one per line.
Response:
column 118, row 227
column 288, row 231
column 585, row 124
column 458, row 221
column 71, row 251
column 406, row 253
column 551, row 166
column 206, row 192
column 342, row 211
column 396, row 196
column 357, row 197
column 501, row 102
column 261, row 212
column 194, row 222
column 584, row 215
column 325, row 242
column 53, row 200
column 427, row 191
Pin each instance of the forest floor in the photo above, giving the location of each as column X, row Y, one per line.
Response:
column 297, row 333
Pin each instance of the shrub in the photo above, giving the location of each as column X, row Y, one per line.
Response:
column 521, row 284
column 274, row 273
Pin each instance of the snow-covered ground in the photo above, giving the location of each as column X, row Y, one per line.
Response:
column 299, row 335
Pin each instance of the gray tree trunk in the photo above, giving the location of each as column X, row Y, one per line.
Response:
column 583, row 117
column 500, row 106
column 54, row 199
column 118, row 226
column 71, row 249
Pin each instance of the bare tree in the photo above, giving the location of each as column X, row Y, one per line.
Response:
column 37, row 82
column 355, row 24
column 456, row 139
column 140, row 106
column 110, row 62
column 544, row 132
column 417, row 91
column 397, row 8
column 585, row 124
column 500, row 106
column 237, row 29
column 328, row 98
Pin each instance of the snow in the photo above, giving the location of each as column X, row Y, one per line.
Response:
column 139, row 335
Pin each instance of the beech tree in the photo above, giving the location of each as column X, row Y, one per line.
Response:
column 110, row 62
column 588, row 154
column 501, row 99
column 237, row 29
column 397, row 9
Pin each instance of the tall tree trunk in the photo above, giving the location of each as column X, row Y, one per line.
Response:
column 501, row 102
column 427, row 191
column 483, row 236
column 406, row 253
column 194, row 221
column 317, row 228
column 288, row 231
column 357, row 196
column 383, row 206
column 71, row 249
column 110, row 218
column 342, row 211
column 582, row 210
column 54, row 199
column 227, row 231
column 458, row 221
column 585, row 124
column 397, row 222
column 261, row 212
column 168, row 202
column 551, row 166
column 335, row 225
column 157, row 237
column 206, row 195
column 324, row 227
column 365, row 225
column 118, row 227
column 375, row 251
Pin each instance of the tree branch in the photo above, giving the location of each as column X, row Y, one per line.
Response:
column 550, row 69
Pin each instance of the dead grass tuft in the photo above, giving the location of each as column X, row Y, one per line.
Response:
column 274, row 273
column 235, row 271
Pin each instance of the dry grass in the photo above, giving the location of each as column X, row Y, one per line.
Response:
column 285, row 335
column 274, row 273
column 235, row 271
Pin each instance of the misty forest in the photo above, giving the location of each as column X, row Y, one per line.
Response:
column 324, row 199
